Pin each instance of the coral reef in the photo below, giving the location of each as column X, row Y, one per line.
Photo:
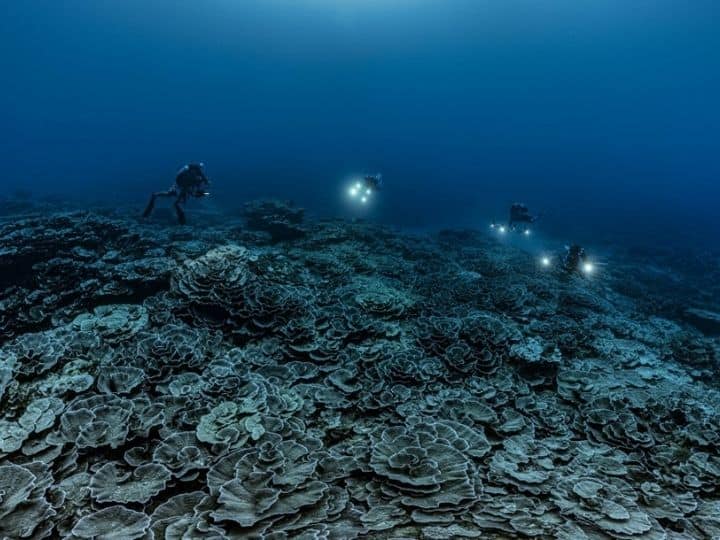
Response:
column 300, row 379
column 279, row 219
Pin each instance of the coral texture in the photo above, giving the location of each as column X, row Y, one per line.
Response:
column 330, row 380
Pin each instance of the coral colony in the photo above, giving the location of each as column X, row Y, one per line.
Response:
column 286, row 378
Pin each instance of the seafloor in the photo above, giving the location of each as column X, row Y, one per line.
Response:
column 267, row 376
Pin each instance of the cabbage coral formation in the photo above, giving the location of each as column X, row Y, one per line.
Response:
column 330, row 380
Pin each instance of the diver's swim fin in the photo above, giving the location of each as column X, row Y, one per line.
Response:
column 149, row 208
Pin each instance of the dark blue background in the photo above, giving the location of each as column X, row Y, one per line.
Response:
column 605, row 114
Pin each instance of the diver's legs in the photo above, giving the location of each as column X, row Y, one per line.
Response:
column 179, row 211
column 150, row 206
column 151, row 203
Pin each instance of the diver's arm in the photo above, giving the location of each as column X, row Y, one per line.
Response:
column 168, row 193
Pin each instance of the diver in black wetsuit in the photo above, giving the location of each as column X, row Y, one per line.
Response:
column 519, row 213
column 373, row 182
column 189, row 182
column 574, row 258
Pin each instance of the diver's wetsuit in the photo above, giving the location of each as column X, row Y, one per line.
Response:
column 573, row 258
column 519, row 213
column 373, row 182
column 189, row 182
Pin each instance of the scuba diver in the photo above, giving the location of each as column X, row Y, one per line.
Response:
column 575, row 260
column 519, row 213
column 189, row 182
column 373, row 182
column 362, row 189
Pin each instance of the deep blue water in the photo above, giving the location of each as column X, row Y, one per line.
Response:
column 605, row 115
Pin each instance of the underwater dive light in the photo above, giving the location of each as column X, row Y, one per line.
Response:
column 526, row 232
column 355, row 189
column 360, row 191
column 545, row 261
column 588, row 268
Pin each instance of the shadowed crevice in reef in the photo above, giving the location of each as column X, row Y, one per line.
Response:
column 288, row 378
